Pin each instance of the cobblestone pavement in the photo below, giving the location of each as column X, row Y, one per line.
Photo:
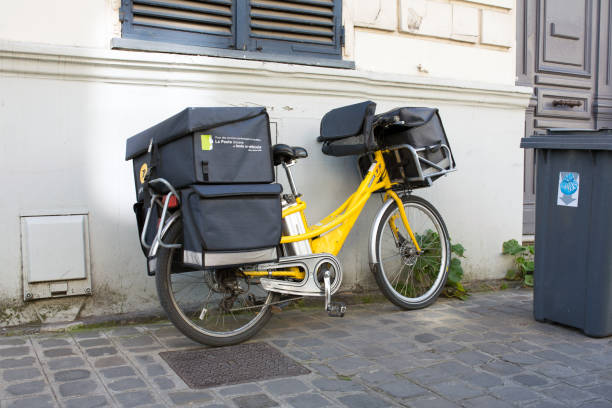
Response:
column 485, row 352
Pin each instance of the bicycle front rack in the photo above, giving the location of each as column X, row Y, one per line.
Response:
column 421, row 174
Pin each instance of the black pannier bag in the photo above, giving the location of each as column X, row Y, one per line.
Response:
column 204, row 145
column 347, row 130
column 226, row 225
column 422, row 129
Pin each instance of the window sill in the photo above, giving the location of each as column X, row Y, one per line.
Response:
column 154, row 46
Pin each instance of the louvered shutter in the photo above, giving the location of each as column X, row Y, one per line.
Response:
column 289, row 27
column 192, row 22
column 296, row 27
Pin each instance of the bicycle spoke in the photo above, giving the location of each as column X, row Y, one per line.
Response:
column 389, row 257
column 214, row 307
column 412, row 274
column 397, row 277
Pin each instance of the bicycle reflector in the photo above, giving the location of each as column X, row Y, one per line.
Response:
column 173, row 203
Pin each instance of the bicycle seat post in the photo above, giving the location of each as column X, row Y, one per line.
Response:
column 287, row 166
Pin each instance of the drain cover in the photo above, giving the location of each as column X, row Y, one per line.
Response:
column 231, row 365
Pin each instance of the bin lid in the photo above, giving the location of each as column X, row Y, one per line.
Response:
column 186, row 121
column 570, row 139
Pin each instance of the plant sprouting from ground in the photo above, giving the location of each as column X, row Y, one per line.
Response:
column 427, row 266
column 523, row 261
column 453, row 287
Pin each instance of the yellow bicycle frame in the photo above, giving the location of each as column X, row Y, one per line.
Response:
column 329, row 234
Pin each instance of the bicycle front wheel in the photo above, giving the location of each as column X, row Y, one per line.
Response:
column 409, row 278
column 214, row 307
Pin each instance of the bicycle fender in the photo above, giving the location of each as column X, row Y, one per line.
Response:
column 374, row 261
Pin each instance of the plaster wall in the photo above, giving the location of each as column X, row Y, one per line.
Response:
column 89, row 23
column 469, row 40
column 466, row 40
column 65, row 114
column 68, row 102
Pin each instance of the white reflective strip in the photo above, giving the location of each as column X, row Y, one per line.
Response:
column 192, row 258
column 152, row 263
column 236, row 258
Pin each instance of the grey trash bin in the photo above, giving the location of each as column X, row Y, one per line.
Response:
column 573, row 242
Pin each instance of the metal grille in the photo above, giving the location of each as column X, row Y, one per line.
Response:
column 246, row 362
column 307, row 21
column 196, row 16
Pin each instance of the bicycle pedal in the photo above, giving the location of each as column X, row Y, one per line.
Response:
column 336, row 309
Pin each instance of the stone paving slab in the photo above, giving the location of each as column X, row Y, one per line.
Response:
column 485, row 352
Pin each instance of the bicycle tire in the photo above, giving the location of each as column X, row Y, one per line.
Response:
column 434, row 244
column 166, row 272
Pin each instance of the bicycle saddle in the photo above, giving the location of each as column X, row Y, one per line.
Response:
column 283, row 153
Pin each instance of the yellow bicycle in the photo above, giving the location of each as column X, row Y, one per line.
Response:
column 409, row 248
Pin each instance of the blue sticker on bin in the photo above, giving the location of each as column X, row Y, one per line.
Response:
column 569, row 188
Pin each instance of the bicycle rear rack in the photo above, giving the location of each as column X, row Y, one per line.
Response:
column 156, row 199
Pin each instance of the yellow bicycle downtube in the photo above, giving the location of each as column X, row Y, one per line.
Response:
column 323, row 229
column 400, row 206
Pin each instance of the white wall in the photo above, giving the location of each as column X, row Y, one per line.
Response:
column 468, row 40
column 378, row 52
column 80, row 23
column 68, row 103
column 64, row 121
column 465, row 40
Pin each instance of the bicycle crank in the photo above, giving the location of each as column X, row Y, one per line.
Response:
column 333, row 309
column 322, row 277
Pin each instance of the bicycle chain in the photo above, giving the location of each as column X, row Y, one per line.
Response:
column 269, row 304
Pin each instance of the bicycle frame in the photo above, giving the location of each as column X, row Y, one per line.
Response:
column 329, row 234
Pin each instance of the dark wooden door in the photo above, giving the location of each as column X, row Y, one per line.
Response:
column 563, row 51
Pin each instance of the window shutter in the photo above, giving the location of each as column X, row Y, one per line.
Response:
column 301, row 28
column 296, row 27
column 192, row 22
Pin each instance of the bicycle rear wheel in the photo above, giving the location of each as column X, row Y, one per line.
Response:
column 408, row 278
column 213, row 307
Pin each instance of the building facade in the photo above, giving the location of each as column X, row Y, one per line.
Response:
column 77, row 78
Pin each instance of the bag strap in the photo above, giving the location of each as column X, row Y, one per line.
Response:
column 153, row 160
column 368, row 130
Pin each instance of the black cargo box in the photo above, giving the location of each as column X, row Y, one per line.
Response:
column 205, row 145
column 420, row 128
column 347, row 130
column 424, row 130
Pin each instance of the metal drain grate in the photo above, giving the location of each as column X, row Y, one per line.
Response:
column 231, row 365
